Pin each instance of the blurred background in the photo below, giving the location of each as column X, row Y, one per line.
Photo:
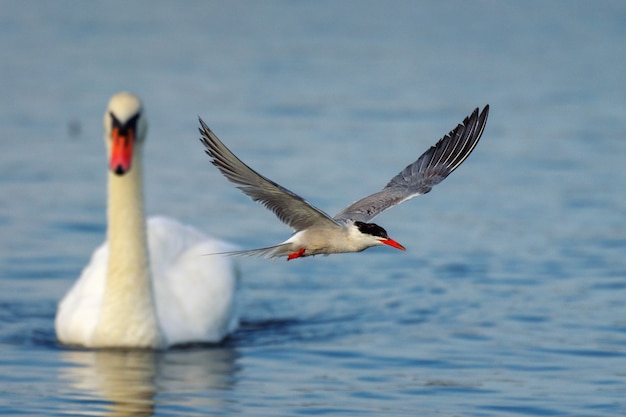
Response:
column 510, row 298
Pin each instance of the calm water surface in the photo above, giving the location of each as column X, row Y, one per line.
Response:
column 511, row 298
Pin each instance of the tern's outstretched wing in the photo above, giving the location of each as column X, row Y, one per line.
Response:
column 290, row 208
column 422, row 175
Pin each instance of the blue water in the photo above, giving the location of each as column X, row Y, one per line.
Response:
column 511, row 298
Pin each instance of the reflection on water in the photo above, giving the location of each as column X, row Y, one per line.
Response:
column 130, row 382
column 124, row 379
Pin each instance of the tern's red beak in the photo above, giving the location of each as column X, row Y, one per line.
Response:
column 121, row 150
column 393, row 244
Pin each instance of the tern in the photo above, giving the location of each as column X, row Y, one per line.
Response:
column 316, row 233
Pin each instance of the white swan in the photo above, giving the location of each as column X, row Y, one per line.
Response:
column 148, row 287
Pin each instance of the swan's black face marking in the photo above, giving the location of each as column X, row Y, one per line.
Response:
column 127, row 129
column 372, row 229
column 123, row 138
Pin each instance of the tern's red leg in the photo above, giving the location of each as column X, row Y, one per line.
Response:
column 295, row 255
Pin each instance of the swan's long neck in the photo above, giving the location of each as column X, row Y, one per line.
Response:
column 128, row 314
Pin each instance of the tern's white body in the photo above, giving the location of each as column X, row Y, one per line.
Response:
column 317, row 232
column 149, row 284
column 323, row 240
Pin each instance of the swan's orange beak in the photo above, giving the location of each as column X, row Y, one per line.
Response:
column 121, row 150
column 393, row 244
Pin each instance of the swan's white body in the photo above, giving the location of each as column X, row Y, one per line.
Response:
column 149, row 285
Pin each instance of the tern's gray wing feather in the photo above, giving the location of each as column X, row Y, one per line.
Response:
column 422, row 175
column 290, row 208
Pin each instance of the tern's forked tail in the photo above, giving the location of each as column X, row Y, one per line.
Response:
column 270, row 252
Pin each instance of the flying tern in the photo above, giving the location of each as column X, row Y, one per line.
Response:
column 350, row 230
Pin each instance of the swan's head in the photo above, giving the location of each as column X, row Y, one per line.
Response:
column 125, row 129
